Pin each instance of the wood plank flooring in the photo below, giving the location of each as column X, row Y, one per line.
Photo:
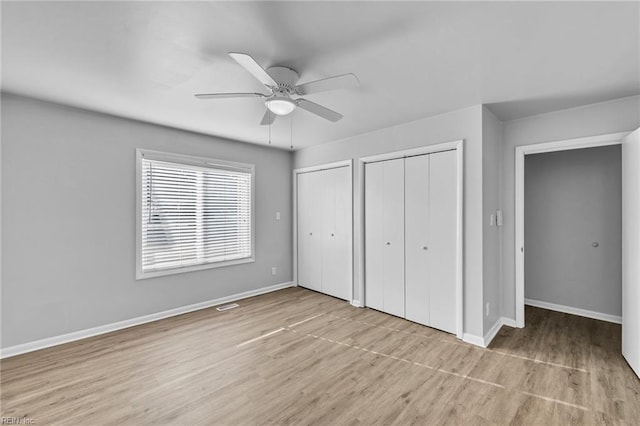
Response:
column 299, row 357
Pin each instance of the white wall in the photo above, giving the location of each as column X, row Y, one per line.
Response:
column 68, row 251
column 597, row 119
column 68, row 220
column 572, row 199
column 491, row 201
column 462, row 124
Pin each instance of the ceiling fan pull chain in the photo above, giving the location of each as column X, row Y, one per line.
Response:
column 291, row 136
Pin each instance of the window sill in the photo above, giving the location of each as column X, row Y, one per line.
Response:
column 141, row 275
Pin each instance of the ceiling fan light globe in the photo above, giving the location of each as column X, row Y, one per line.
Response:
column 280, row 106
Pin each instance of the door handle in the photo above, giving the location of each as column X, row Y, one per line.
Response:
column 388, row 243
column 595, row 244
column 425, row 248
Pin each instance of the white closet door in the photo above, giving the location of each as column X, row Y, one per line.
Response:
column 303, row 205
column 384, row 236
column 374, row 238
column 315, row 244
column 327, row 213
column 442, row 240
column 325, row 229
column 309, row 231
column 343, row 241
column 336, row 232
column 393, row 232
column 417, row 239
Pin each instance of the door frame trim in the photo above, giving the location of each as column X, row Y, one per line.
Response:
column 458, row 146
column 317, row 168
column 537, row 148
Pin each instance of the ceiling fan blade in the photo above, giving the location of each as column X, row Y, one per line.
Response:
column 250, row 64
column 316, row 109
column 268, row 118
column 343, row 81
column 228, row 95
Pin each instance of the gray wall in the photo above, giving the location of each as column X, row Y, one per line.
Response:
column 491, row 201
column 461, row 124
column 572, row 199
column 68, row 220
column 607, row 117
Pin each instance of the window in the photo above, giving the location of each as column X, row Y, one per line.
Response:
column 193, row 213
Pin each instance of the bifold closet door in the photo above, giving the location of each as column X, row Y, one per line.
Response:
column 384, row 236
column 410, row 238
column 309, row 231
column 324, row 225
column 336, row 209
column 442, row 231
column 417, row 262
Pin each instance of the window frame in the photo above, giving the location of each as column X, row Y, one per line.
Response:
column 189, row 160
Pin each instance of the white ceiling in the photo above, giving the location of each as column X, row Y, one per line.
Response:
column 145, row 60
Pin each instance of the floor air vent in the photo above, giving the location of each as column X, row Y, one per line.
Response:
column 227, row 307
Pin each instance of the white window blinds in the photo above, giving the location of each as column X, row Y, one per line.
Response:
column 193, row 215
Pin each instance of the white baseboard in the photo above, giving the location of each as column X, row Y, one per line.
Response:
column 357, row 303
column 488, row 337
column 83, row 334
column 484, row 342
column 473, row 339
column 574, row 311
column 509, row 322
column 491, row 334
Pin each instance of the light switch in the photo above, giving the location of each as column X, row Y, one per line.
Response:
column 277, row 215
column 492, row 220
column 499, row 217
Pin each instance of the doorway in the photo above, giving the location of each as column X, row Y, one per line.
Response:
column 573, row 232
column 630, row 211
column 521, row 152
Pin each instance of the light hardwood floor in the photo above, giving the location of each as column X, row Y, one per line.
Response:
column 299, row 357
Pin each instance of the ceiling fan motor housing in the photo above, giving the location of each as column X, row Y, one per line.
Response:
column 285, row 77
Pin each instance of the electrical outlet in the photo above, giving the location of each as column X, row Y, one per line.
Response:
column 277, row 215
column 492, row 220
column 274, row 270
column 487, row 309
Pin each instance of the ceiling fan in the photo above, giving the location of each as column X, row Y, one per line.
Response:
column 282, row 85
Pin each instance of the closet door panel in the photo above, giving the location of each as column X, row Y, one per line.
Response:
column 374, row 239
column 342, row 233
column 393, row 236
column 442, row 246
column 302, row 184
column 336, row 232
column 314, row 231
column 326, row 210
column 417, row 238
